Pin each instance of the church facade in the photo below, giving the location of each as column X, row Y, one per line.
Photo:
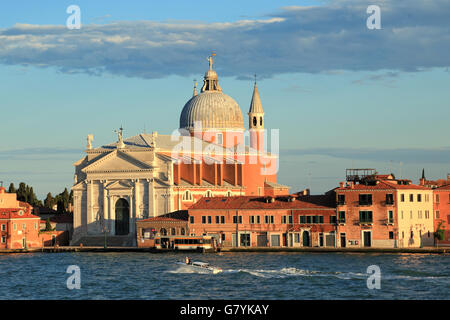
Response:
column 149, row 175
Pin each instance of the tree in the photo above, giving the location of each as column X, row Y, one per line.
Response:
column 11, row 188
column 48, row 225
column 49, row 201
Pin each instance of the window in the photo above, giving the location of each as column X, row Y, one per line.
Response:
column 412, row 234
column 365, row 199
column 297, row 237
column 217, row 219
column 255, row 122
column 173, row 231
column 365, row 216
column 260, row 121
column 341, row 216
column 182, row 231
column 391, row 235
column 315, row 219
column 223, row 236
column 402, row 214
column 320, row 219
column 437, row 214
column 222, row 219
column 268, row 219
column 419, row 197
column 411, row 198
column 3, row 227
column 208, row 194
column 209, row 219
column 191, row 219
column 15, row 226
column 290, row 220
column 237, row 219
column 203, row 219
column 3, row 239
column 437, row 198
column 219, row 138
column 24, row 226
column 258, row 220
column 390, row 216
column 341, row 199
column 229, row 194
column 308, row 219
column 389, row 199
column 419, row 214
column 302, row 219
column 333, row 219
column 252, row 219
column 163, row 232
column 410, row 214
column 187, row 196
column 283, row 219
column 402, row 197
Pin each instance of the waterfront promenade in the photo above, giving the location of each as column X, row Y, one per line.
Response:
column 424, row 250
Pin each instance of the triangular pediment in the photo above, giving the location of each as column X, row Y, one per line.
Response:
column 117, row 161
column 120, row 184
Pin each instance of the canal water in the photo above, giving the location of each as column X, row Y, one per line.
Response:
column 244, row 276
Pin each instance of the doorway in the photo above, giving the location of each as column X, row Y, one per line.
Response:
column 343, row 240
column 367, row 238
column 306, row 242
column 122, row 222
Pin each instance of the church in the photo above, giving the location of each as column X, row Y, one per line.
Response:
column 149, row 175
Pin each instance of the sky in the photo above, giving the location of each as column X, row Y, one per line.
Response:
column 342, row 95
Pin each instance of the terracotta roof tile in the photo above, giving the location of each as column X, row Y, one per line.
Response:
column 253, row 202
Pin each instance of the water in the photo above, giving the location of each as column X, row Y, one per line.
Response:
column 245, row 276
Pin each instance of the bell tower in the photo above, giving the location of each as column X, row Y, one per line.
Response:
column 256, row 121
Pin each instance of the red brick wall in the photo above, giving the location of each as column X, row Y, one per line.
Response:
column 380, row 229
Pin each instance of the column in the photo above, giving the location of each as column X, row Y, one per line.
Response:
column 112, row 215
column 89, row 205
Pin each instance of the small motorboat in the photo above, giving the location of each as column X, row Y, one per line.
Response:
column 202, row 266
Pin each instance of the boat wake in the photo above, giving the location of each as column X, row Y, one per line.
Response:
column 295, row 272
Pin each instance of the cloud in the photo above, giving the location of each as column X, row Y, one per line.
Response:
column 405, row 155
column 386, row 79
column 329, row 38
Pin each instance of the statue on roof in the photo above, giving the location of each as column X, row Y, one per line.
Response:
column 120, row 143
column 211, row 61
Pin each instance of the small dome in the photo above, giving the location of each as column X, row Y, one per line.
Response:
column 214, row 110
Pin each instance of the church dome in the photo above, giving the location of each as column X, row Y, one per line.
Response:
column 214, row 110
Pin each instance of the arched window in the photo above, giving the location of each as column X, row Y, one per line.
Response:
column 182, row 231
column 163, row 232
column 173, row 231
column 228, row 193
column 260, row 121
column 255, row 122
column 208, row 194
column 187, row 196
